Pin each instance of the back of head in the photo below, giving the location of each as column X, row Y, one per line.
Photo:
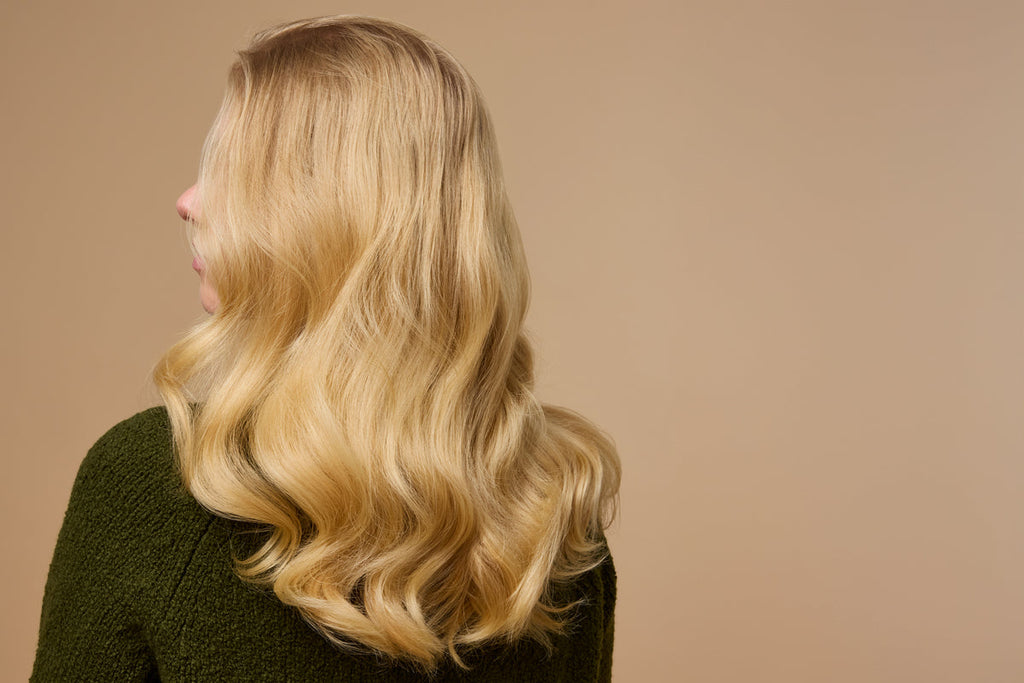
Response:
column 365, row 388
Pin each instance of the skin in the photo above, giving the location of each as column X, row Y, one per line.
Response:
column 188, row 208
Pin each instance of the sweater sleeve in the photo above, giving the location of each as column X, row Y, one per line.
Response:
column 91, row 628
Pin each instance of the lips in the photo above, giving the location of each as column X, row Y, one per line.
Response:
column 197, row 265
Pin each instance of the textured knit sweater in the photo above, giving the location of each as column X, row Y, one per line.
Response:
column 142, row 588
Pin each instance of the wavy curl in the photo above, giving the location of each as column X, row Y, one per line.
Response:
column 364, row 391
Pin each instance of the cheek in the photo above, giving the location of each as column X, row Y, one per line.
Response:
column 208, row 296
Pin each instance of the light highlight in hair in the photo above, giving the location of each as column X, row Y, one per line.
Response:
column 365, row 389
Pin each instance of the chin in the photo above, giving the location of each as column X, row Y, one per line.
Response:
column 209, row 302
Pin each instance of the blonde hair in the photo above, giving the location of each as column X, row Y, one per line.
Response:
column 365, row 389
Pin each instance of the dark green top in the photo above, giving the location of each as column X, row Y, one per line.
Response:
column 141, row 588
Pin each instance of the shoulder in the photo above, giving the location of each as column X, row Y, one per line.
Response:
column 138, row 446
column 147, row 431
column 129, row 532
column 599, row 585
column 128, row 502
column 130, row 472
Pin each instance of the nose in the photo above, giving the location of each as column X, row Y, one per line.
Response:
column 186, row 204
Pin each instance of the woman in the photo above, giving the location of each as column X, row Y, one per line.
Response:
column 351, row 478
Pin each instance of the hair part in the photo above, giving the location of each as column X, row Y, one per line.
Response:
column 365, row 389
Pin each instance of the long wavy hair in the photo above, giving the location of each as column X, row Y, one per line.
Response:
column 364, row 392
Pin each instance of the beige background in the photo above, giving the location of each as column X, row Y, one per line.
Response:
column 777, row 252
